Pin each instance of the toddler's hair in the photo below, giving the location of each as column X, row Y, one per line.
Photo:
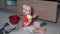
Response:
column 26, row 5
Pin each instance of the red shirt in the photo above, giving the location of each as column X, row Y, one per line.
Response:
column 25, row 20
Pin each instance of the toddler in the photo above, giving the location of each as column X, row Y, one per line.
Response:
column 28, row 23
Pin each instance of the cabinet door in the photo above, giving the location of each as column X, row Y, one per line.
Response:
column 47, row 10
column 2, row 3
column 19, row 7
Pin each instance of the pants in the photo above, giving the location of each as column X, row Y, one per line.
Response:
column 31, row 28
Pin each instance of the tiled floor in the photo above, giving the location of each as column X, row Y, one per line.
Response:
column 52, row 28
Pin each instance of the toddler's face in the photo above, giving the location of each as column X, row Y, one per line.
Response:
column 27, row 10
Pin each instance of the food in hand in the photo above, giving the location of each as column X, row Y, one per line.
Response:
column 29, row 16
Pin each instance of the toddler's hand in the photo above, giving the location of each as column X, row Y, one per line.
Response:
column 29, row 21
column 25, row 24
column 35, row 15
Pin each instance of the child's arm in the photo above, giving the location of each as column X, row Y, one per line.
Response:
column 29, row 21
column 35, row 15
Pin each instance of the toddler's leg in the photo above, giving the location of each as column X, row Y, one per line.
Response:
column 41, row 30
column 29, row 29
column 36, row 30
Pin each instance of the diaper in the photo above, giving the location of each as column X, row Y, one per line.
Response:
column 29, row 29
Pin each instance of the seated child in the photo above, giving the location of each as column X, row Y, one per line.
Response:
column 27, row 21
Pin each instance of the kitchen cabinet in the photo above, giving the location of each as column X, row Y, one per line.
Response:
column 47, row 10
column 2, row 3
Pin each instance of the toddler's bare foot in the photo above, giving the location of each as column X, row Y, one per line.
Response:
column 41, row 30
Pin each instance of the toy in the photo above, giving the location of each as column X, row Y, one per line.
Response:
column 43, row 24
column 11, row 25
column 14, row 19
column 3, row 28
column 1, row 32
column 10, row 30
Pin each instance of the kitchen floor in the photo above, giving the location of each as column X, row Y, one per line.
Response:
column 52, row 28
